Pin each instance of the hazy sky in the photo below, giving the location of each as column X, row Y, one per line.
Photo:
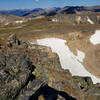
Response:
column 24, row 4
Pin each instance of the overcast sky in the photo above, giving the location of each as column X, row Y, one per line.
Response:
column 25, row 4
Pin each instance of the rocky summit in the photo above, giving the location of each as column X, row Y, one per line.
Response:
column 33, row 72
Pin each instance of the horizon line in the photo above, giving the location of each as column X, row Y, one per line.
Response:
column 49, row 7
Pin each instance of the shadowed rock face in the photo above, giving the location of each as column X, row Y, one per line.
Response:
column 21, row 80
column 50, row 94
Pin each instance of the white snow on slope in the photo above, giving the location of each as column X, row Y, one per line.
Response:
column 95, row 39
column 54, row 20
column 89, row 20
column 67, row 59
column 19, row 21
column 6, row 24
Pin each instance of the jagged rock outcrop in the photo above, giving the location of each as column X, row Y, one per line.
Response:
column 15, row 72
column 35, row 73
column 14, row 41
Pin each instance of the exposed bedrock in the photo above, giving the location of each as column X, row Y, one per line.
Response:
column 33, row 72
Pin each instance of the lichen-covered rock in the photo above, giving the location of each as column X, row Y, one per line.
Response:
column 92, row 94
column 82, row 83
column 15, row 71
column 48, row 81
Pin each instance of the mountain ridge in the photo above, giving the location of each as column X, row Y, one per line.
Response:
column 49, row 11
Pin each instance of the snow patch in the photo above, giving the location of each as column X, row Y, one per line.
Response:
column 6, row 24
column 54, row 20
column 89, row 20
column 95, row 39
column 67, row 59
column 78, row 19
column 19, row 21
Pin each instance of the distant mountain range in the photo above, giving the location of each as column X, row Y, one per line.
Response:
column 78, row 9
column 16, row 12
column 42, row 12
column 25, row 12
column 51, row 11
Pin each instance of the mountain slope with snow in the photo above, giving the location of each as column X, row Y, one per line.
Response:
column 67, row 59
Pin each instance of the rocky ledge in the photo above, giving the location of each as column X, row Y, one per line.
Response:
column 33, row 72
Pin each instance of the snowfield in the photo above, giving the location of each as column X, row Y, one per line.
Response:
column 67, row 59
column 95, row 39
